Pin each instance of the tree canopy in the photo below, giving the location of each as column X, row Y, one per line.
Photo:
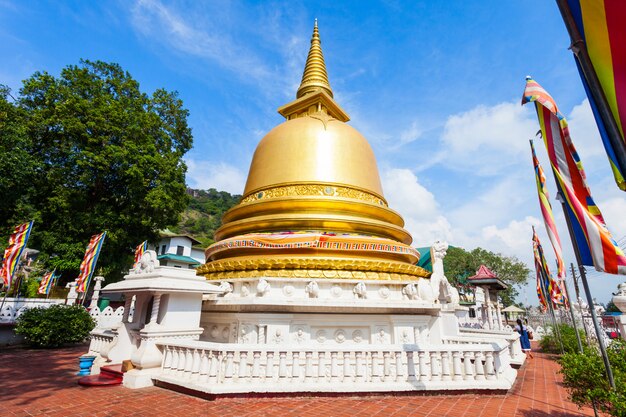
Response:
column 460, row 264
column 100, row 155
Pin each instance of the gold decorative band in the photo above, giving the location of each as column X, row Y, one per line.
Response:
column 314, row 189
column 311, row 268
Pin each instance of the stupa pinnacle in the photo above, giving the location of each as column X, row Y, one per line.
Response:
column 313, row 200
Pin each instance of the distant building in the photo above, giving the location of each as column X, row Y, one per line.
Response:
column 178, row 250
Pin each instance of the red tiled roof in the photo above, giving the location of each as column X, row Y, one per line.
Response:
column 483, row 273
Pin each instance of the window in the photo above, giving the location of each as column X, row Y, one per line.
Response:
column 180, row 250
column 163, row 250
column 472, row 313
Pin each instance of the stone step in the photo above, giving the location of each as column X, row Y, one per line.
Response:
column 109, row 376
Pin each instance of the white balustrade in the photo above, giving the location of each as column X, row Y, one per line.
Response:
column 215, row 367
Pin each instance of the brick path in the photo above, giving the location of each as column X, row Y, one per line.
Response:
column 43, row 383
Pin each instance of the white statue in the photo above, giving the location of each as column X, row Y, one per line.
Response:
column 263, row 287
column 147, row 263
column 411, row 291
column 226, row 287
column 442, row 288
column 359, row 290
column 312, row 289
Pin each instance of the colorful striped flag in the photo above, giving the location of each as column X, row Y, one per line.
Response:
column 141, row 249
column 13, row 252
column 600, row 24
column 552, row 288
column 47, row 281
column 88, row 265
column 595, row 243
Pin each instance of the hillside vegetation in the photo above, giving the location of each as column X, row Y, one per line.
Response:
column 203, row 215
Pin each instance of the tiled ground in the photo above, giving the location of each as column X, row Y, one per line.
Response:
column 43, row 383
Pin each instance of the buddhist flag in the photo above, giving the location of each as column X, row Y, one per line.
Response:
column 141, row 249
column 13, row 252
column 552, row 289
column 88, row 265
column 595, row 243
column 47, row 281
column 598, row 32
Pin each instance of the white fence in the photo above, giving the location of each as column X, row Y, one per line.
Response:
column 220, row 368
column 107, row 318
column 14, row 307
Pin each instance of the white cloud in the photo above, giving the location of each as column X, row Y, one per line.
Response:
column 411, row 134
column 221, row 176
column 487, row 140
column 417, row 206
column 584, row 132
column 514, row 238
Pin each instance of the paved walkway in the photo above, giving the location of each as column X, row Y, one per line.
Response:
column 43, row 383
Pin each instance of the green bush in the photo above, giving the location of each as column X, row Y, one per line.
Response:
column 585, row 378
column 549, row 343
column 54, row 326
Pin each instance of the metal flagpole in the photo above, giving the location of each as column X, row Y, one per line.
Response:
column 571, row 312
column 583, row 278
column 579, row 49
column 577, row 299
column 550, row 307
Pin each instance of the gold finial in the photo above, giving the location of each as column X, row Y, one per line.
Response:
column 314, row 77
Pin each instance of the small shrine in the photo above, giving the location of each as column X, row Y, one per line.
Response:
column 490, row 284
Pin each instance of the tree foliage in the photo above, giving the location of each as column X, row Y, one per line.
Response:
column 460, row 264
column 105, row 156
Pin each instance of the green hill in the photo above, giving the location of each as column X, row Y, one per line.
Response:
column 204, row 212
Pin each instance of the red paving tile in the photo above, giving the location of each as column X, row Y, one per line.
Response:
column 43, row 383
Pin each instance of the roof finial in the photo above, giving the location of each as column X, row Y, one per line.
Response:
column 314, row 77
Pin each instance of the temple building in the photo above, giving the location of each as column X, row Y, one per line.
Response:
column 312, row 284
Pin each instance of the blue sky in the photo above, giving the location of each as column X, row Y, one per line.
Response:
column 434, row 86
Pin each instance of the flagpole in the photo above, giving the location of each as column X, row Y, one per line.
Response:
column 571, row 312
column 578, row 299
column 579, row 49
column 550, row 307
column 583, row 278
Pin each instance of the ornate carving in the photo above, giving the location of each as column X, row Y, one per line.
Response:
column 146, row 264
column 215, row 332
column 405, row 337
column 227, row 287
column 311, row 268
column 312, row 289
column 384, row 292
column 320, row 336
column 314, row 189
column 411, row 292
column 357, row 336
column 278, row 337
column 340, row 336
column 300, row 335
column 442, row 288
column 263, row 287
column 288, row 290
column 245, row 291
column 381, row 336
column 360, row 290
column 336, row 291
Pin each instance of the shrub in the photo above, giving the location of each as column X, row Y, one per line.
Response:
column 54, row 326
column 550, row 342
column 585, row 378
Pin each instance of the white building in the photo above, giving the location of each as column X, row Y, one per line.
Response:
column 179, row 250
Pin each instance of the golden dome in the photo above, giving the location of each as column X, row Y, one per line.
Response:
column 313, row 186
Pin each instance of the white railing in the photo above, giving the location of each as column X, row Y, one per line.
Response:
column 222, row 368
column 107, row 318
column 14, row 307
column 489, row 336
column 101, row 340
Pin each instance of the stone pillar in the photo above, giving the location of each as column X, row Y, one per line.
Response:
column 619, row 299
column 72, row 295
column 498, row 314
column 488, row 305
column 96, row 292
column 127, row 306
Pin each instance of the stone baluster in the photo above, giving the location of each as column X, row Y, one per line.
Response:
column 204, row 367
column 295, row 366
column 195, row 368
column 347, row 372
column 423, row 368
column 228, row 371
column 478, row 364
column 243, row 366
column 214, row 369
column 386, row 366
column 321, row 366
column 175, row 360
column 467, row 363
column 188, row 363
column 156, row 304
column 256, row 364
column 489, row 366
column 182, row 359
column 375, row 375
column 334, row 367
column 410, row 363
column 399, row 367
column 167, row 359
column 308, row 367
column 269, row 365
column 456, row 366
column 445, row 366
column 282, row 366
column 434, row 366
column 359, row 369
column 127, row 302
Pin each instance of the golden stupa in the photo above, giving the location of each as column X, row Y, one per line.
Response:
column 313, row 205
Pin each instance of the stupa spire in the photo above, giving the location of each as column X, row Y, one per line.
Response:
column 315, row 76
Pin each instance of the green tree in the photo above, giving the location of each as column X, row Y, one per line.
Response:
column 460, row 264
column 109, row 157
